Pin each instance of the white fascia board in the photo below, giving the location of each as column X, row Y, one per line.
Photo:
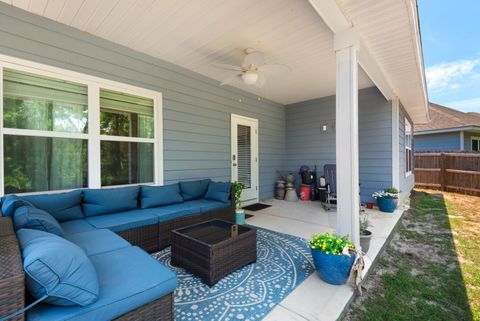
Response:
column 447, row 130
column 346, row 36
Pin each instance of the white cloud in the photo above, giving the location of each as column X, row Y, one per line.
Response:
column 467, row 105
column 452, row 76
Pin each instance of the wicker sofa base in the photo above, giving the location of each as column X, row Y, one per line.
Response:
column 159, row 310
column 145, row 237
column 165, row 228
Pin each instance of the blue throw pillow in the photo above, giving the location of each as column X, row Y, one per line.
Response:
column 63, row 206
column 57, row 268
column 112, row 200
column 193, row 190
column 37, row 219
column 11, row 202
column 153, row 196
column 218, row 191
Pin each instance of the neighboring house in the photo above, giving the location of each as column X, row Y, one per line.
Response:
column 448, row 130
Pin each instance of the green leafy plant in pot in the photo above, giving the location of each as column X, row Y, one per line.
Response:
column 333, row 257
column 365, row 234
column 387, row 199
column 237, row 192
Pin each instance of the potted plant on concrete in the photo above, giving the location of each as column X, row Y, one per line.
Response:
column 387, row 199
column 365, row 234
column 237, row 192
column 333, row 257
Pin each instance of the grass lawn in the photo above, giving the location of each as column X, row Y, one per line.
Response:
column 431, row 269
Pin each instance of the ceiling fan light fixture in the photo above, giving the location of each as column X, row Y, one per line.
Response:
column 250, row 77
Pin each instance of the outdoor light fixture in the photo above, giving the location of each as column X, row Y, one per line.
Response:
column 250, row 77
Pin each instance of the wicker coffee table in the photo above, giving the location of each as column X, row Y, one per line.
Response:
column 210, row 251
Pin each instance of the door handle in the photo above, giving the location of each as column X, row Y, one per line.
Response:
column 234, row 164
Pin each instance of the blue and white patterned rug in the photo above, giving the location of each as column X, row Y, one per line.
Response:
column 283, row 262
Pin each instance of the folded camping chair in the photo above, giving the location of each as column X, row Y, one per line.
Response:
column 330, row 174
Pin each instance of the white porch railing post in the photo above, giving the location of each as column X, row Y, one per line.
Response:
column 348, row 206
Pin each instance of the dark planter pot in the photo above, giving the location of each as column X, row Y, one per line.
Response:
column 387, row 204
column 365, row 237
column 333, row 269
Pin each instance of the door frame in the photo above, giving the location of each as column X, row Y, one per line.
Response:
column 255, row 174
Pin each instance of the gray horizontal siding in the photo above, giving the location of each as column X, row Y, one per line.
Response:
column 308, row 144
column 438, row 142
column 196, row 110
column 406, row 183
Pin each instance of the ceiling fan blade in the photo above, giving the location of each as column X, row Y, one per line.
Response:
column 227, row 67
column 275, row 69
column 231, row 80
column 261, row 81
column 256, row 59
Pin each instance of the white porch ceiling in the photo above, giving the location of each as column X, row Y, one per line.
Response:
column 195, row 34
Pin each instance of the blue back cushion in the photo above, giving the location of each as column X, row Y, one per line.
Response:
column 218, row 191
column 57, row 268
column 63, row 206
column 10, row 203
column 37, row 219
column 154, row 196
column 193, row 190
column 112, row 200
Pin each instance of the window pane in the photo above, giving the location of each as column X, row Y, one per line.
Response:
column 43, row 103
column 126, row 163
column 244, row 146
column 475, row 145
column 34, row 164
column 125, row 115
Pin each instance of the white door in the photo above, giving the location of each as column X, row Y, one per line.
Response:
column 245, row 156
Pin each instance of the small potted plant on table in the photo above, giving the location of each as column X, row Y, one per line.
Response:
column 239, row 212
column 333, row 257
column 365, row 234
column 387, row 199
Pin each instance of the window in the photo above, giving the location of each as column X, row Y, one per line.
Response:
column 476, row 144
column 64, row 130
column 408, row 147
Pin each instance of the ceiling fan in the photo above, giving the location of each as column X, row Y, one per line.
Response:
column 253, row 70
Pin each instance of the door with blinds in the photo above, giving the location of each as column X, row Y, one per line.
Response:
column 244, row 156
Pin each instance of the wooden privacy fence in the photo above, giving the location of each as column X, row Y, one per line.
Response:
column 453, row 172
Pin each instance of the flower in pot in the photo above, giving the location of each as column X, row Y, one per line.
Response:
column 333, row 257
column 237, row 192
column 365, row 234
column 387, row 199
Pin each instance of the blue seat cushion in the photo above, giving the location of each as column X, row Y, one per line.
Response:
column 193, row 190
column 98, row 241
column 170, row 212
column 129, row 278
column 154, row 196
column 207, row 205
column 37, row 219
column 76, row 226
column 112, row 200
column 62, row 206
column 57, row 268
column 123, row 221
column 11, row 202
column 218, row 191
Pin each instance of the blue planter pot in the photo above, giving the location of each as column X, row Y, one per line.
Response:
column 387, row 204
column 240, row 217
column 333, row 269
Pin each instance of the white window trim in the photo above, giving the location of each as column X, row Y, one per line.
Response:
column 94, row 138
column 410, row 172
column 472, row 138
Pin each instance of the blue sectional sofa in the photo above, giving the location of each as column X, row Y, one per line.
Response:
column 84, row 252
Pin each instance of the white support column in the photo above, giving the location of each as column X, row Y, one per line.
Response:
column 395, row 143
column 348, row 199
column 462, row 141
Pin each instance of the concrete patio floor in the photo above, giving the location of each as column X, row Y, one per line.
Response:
column 315, row 300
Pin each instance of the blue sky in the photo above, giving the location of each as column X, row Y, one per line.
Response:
column 451, row 48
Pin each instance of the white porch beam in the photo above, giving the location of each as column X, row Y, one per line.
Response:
column 346, row 119
column 334, row 18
